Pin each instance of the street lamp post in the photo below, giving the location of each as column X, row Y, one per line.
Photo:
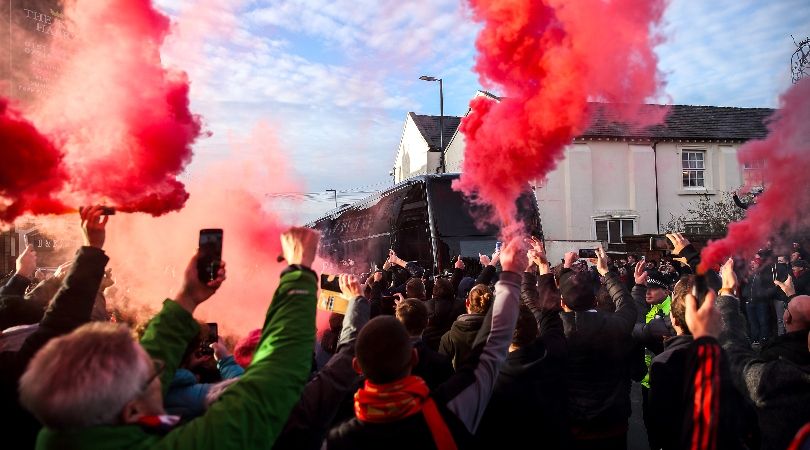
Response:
column 440, row 169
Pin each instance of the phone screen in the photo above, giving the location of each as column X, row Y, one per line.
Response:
column 659, row 243
column 330, row 283
column 210, row 254
column 587, row 253
column 213, row 332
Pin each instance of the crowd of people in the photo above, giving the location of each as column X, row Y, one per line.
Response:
column 520, row 353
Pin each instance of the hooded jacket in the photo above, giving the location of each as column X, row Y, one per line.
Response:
column 457, row 343
column 186, row 396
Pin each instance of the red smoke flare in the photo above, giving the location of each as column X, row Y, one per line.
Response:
column 119, row 118
column 782, row 207
column 549, row 58
column 31, row 171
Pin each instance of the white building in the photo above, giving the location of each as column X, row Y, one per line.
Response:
column 613, row 182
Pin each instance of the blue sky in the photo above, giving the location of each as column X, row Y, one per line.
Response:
column 336, row 78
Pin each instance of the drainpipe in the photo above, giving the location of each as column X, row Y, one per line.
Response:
column 657, row 206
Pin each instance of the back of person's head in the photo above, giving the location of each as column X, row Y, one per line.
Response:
column 85, row 378
column 246, row 347
column 525, row 329
column 678, row 306
column 415, row 288
column 464, row 287
column 384, row 350
column 479, row 299
column 414, row 315
column 442, row 289
column 576, row 289
column 604, row 302
column 330, row 336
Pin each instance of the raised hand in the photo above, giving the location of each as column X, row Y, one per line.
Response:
column 349, row 286
column 678, row 241
column 93, row 225
column 513, row 255
column 602, row 261
column 705, row 321
column 220, row 349
column 459, row 263
column 26, row 263
column 640, row 274
column 569, row 259
column 729, row 278
column 193, row 292
column 299, row 245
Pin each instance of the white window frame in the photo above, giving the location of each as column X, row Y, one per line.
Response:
column 686, row 226
column 632, row 219
column 689, row 169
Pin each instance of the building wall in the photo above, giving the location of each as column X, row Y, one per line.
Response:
column 413, row 157
column 454, row 153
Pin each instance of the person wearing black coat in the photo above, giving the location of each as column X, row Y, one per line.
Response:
column 801, row 277
column 432, row 366
column 600, row 350
column 71, row 307
column 443, row 309
column 529, row 398
column 457, row 343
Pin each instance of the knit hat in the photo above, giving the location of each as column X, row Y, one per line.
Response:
column 243, row 352
column 656, row 279
column 464, row 287
column 577, row 290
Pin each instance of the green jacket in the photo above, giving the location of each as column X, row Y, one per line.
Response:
column 252, row 412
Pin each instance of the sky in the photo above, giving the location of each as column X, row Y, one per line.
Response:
column 336, row 78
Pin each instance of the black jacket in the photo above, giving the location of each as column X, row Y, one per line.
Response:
column 779, row 389
column 433, row 367
column 665, row 402
column 600, row 357
column 802, row 283
column 70, row 309
column 529, row 398
column 14, row 308
column 790, row 346
column 760, row 287
column 457, row 343
column 442, row 312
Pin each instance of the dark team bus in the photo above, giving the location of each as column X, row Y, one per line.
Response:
column 423, row 219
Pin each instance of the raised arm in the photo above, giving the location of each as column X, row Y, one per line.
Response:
column 471, row 400
column 625, row 308
column 272, row 384
column 73, row 303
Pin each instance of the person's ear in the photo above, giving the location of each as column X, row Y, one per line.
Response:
column 356, row 365
column 132, row 411
column 414, row 358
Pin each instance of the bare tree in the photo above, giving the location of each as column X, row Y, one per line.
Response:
column 708, row 215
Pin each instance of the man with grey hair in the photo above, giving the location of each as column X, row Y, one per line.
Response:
column 97, row 388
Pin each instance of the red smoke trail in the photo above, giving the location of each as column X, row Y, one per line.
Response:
column 782, row 207
column 148, row 255
column 120, row 119
column 549, row 58
column 31, row 171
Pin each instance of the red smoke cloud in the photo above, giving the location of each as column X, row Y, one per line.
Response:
column 148, row 255
column 549, row 58
column 782, row 207
column 31, row 170
column 118, row 118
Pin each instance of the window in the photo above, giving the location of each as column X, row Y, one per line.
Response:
column 695, row 228
column 752, row 173
column 613, row 230
column 694, row 168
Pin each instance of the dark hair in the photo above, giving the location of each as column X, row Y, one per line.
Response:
column 414, row 315
column 480, row 298
column 330, row 336
column 678, row 306
column 442, row 288
column 604, row 302
column 577, row 290
column 525, row 329
column 415, row 288
column 384, row 350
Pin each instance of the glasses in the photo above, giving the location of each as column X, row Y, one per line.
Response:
column 159, row 367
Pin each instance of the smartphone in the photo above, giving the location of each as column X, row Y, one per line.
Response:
column 330, row 283
column 587, row 253
column 659, row 243
column 701, row 288
column 213, row 336
column 210, row 257
column 498, row 246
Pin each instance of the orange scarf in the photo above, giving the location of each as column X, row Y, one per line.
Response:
column 381, row 403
